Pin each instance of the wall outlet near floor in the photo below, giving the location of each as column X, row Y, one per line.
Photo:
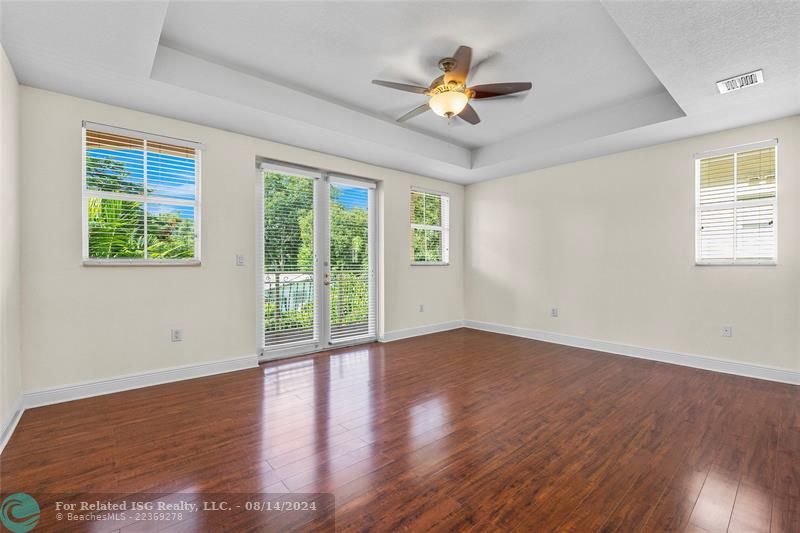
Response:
column 239, row 260
column 176, row 335
column 727, row 331
column 554, row 312
column 421, row 308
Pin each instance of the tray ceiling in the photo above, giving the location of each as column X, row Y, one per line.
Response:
column 606, row 77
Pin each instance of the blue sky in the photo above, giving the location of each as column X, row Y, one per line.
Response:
column 353, row 197
column 168, row 176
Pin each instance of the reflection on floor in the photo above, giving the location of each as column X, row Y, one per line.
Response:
column 462, row 429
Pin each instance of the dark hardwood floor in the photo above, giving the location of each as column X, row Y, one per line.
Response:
column 462, row 430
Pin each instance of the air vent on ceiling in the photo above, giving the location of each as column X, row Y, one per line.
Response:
column 741, row 81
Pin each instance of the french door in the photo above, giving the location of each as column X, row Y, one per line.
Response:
column 317, row 282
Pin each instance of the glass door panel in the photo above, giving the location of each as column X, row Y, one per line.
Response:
column 350, row 278
column 318, row 272
column 289, row 273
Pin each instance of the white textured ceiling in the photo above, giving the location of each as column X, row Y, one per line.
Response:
column 334, row 49
column 606, row 77
column 690, row 44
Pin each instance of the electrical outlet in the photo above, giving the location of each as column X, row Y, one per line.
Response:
column 727, row 331
column 239, row 260
column 176, row 335
column 421, row 308
column 554, row 312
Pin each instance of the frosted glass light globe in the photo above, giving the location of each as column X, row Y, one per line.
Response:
column 448, row 103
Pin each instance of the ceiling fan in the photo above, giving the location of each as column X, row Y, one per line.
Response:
column 449, row 94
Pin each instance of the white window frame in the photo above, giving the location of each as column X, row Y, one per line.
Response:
column 444, row 228
column 322, row 179
column 144, row 198
column 735, row 204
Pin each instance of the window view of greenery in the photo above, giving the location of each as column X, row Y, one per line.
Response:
column 288, row 271
column 349, row 288
column 119, row 209
column 289, row 260
column 427, row 227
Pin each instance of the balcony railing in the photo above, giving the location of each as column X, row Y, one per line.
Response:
column 289, row 306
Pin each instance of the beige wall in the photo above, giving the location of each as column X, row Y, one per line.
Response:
column 610, row 242
column 10, row 380
column 88, row 323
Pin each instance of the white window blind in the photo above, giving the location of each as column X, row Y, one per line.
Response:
column 736, row 205
column 141, row 198
column 352, row 274
column 430, row 227
column 290, row 297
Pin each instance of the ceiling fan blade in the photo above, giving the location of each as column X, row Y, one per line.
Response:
column 401, row 86
column 492, row 90
column 414, row 112
column 463, row 57
column 470, row 115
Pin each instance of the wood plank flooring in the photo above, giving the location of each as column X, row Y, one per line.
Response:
column 462, row 430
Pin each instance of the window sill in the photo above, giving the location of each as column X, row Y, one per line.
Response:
column 428, row 263
column 142, row 262
column 734, row 264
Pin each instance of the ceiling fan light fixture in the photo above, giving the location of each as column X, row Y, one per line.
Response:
column 448, row 103
column 449, row 95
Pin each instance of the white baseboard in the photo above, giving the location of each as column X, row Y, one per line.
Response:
column 10, row 424
column 398, row 334
column 168, row 375
column 704, row 362
column 134, row 381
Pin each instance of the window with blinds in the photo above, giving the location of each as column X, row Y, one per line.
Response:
column 141, row 201
column 289, row 254
column 430, row 228
column 736, row 201
column 352, row 280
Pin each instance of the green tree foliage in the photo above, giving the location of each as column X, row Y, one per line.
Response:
column 289, row 248
column 288, row 205
column 170, row 236
column 116, row 227
column 349, row 264
column 287, row 200
column 110, row 175
column 427, row 209
column 426, row 244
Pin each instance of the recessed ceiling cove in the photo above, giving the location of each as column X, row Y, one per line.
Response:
column 575, row 55
column 300, row 73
